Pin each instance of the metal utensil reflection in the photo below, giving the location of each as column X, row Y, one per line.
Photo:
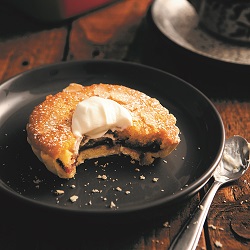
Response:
column 234, row 163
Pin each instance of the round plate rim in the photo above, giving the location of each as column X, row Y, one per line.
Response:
column 187, row 192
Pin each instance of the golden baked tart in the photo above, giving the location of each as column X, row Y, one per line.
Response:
column 84, row 122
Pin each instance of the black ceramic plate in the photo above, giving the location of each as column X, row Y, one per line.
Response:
column 181, row 174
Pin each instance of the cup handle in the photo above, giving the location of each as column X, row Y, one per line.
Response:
column 196, row 4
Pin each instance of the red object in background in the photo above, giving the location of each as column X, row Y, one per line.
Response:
column 71, row 8
column 57, row 10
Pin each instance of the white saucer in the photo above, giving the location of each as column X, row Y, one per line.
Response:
column 179, row 22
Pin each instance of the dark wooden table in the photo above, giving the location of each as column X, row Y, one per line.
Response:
column 124, row 31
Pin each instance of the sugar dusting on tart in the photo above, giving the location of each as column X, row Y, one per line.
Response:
column 153, row 132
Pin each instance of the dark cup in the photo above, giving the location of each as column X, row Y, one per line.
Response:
column 228, row 19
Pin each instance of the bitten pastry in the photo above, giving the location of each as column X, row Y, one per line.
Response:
column 84, row 122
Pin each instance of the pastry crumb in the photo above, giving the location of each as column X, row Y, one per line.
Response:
column 155, row 179
column 201, row 207
column 37, row 181
column 103, row 177
column 112, row 204
column 73, row 198
column 218, row 244
column 59, row 192
column 166, row 224
column 212, row 226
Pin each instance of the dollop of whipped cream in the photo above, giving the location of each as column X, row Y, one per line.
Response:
column 94, row 116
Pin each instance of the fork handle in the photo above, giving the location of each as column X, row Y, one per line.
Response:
column 190, row 234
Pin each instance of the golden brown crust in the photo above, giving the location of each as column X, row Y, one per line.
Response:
column 49, row 127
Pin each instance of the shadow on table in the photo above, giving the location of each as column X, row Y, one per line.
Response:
column 32, row 228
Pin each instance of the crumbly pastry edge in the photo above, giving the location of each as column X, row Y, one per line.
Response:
column 52, row 165
column 100, row 151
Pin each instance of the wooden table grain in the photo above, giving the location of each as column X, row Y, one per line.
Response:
column 122, row 31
